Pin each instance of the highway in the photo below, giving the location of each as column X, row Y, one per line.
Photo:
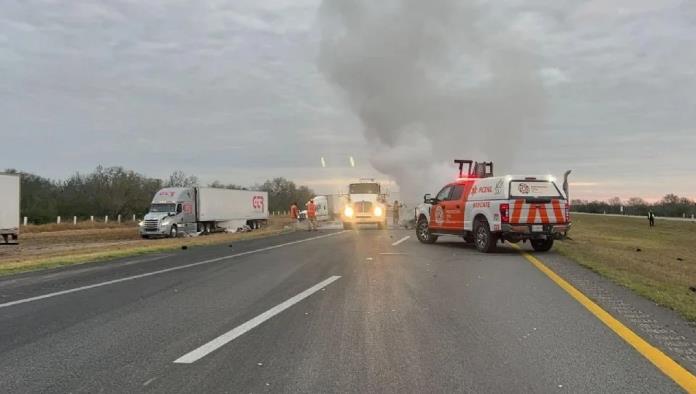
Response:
column 322, row 312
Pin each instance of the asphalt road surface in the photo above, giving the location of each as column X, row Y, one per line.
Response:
column 329, row 311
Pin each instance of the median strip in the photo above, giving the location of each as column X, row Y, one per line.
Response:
column 180, row 267
column 664, row 363
column 240, row 330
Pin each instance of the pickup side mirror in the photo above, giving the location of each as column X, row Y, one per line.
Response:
column 429, row 200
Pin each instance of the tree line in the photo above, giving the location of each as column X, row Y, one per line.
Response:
column 670, row 205
column 117, row 191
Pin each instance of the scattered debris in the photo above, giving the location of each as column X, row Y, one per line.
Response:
column 369, row 259
column 680, row 259
column 184, row 247
column 692, row 288
column 259, row 364
column 230, row 245
column 639, row 250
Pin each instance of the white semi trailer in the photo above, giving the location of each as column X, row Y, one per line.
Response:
column 9, row 208
column 179, row 210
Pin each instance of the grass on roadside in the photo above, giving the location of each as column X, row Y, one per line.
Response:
column 659, row 263
column 126, row 250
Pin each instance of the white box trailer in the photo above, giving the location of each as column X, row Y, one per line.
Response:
column 231, row 209
column 190, row 210
column 9, row 208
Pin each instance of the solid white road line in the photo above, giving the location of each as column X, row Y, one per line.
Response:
column 401, row 240
column 180, row 267
column 238, row 331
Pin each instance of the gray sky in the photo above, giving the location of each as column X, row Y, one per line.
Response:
column 231, row 90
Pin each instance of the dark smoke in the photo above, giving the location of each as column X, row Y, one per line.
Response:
column 431, row 82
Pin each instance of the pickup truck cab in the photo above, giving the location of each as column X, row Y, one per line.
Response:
column 486, row 210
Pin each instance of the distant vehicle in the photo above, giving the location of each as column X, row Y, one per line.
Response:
column 177, row 210
column 328, row 207
column 485, row 209
column 322, row 205
column 9, row 208
column 365, row 204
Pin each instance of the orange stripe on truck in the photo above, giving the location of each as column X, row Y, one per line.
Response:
column 558, row 211
column 516, row 212
column 533, row 208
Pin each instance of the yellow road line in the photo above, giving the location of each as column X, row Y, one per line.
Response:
column 665, row 364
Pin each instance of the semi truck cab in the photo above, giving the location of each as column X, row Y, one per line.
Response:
column 365, row 204
column 172, row 212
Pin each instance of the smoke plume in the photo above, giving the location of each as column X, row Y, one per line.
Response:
column 431, row 82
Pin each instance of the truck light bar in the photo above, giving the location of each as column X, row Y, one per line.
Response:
column 482, row 169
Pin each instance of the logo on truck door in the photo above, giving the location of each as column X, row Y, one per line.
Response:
column 439, row 215
column 257, row 202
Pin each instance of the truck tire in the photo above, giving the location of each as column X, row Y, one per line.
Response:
column 542, row 245
column 423, row 232
column 485, row 240
column 173, row 232
column 145, row 236
column 347, row 226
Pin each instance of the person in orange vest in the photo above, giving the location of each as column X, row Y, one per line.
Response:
column 294, row 215
column 311, row 216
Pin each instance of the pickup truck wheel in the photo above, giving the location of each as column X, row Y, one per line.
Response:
column 542, row 245
column 145, row 236
column 485, row 241
column 173, row 232
column 423, row 232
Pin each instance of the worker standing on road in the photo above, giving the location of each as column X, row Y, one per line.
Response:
column 294, row 215
column 395, row 213
column 651, row 218
column 311, row 216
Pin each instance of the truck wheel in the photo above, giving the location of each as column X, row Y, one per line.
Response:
column 485, row 241
column 423, row 232
column 347, row 226
column 542, row 245
column 173, row 232
column 145, row 236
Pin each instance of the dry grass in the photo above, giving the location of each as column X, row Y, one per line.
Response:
column 86, row 225
column 663, row 270
column 48, row 249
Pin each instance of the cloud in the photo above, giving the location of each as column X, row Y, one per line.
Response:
column 231, row 90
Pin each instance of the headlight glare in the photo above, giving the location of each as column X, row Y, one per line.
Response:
column 348, row 212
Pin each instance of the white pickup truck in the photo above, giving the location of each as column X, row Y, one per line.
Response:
column 484, row 209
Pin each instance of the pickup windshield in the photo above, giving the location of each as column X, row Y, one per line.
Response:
column 364, row 188
column 163, row 208
column 534, row 189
